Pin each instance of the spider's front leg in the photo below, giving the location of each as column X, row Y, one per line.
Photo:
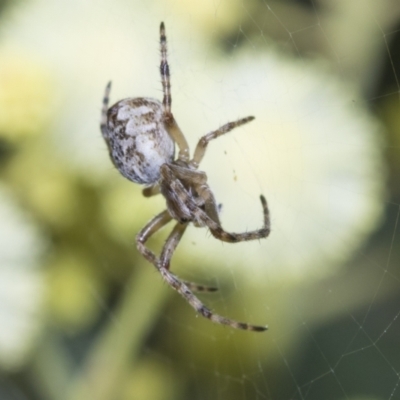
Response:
column 201, row 147
column 169, row 120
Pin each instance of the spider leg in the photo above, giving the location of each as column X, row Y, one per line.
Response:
column 195, row 287
column 204, row 311
column 169, row 247
column 218, row 232
column 163, row 264
column 195, row 178
column 151, row 190
column 166, row 255
column 164, row 71
column 210, row 206
column 170, row 123
column 103, row 123
column 150, row 229
column 201, row 218
column 203, row 142
column 153, row 226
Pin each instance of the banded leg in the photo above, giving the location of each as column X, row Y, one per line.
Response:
column 164, row 71
column 168, row 250
column 203, row 142
column 204, row 311
column 104, row 109
column 202, row 219
column 210, row 206
column 150, row 229
column 195, row 178
column 171, row 125
column 218, row 232
column 169, row 247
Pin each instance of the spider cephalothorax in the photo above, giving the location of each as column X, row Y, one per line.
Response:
column 141, row 134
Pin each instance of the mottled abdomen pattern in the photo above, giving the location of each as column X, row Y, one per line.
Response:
column 137, row 139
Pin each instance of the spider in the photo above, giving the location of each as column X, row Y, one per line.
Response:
column 141, row 134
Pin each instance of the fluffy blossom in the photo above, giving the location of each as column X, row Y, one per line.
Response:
column 21, row 283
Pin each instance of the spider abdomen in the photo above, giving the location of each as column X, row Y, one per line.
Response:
column 137, row 139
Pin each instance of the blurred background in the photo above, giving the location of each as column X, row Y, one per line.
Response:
column 84, row 316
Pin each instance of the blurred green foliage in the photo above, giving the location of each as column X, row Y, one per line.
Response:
column 110, row 324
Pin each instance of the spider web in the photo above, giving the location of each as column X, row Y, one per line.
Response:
column 350, row 352
column 327, row 285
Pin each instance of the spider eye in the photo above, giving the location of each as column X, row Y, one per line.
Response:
column 137, row 139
